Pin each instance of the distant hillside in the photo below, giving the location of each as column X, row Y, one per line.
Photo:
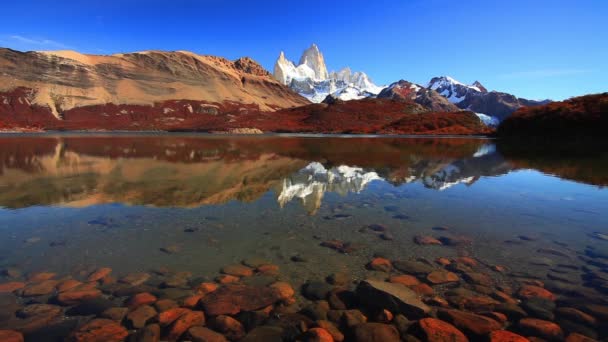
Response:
column 580, row 116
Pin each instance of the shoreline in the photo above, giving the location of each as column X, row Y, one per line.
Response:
column 229, row 134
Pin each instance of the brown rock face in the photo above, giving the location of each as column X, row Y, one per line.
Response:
column 63, row 80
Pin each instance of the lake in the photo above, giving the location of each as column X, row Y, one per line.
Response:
column 180, row 207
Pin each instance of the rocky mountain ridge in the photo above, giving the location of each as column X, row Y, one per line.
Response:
column 65, row 80
column 477, row 98
column 310, row 78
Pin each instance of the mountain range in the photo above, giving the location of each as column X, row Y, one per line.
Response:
column 184, row 91
column 311, row 79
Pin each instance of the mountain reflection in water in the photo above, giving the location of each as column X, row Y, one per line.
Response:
column 189, row 171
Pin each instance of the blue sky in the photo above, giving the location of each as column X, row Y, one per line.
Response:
column 534, row 48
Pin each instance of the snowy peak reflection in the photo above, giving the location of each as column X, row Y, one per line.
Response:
column 310, row 183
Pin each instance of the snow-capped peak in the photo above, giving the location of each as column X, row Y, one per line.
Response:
column 310, row 78
column 452, row 89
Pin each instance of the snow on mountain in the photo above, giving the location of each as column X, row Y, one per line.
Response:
column 476, row 98
column 312, row 182
column 488, row 120
column 453, row 90
column 310, row 78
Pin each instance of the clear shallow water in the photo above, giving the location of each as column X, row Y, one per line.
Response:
column 73, row 202
column 70, row 204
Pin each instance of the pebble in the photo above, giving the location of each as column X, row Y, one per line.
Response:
column 380, row 264
column 11, row 336
column 202, row 334
column 434, row 330
column 230, row 327
column 376, row 332
column 11, row 286
column 530, row 291
column 426, row 240
column 238, row 270
column 100, row 330
column 540, row 328
column 442, row 277
column 506, row 336
column 469, row 323
column 139, row 317
column 140, row 299
column 99, row 274
column 135, row 279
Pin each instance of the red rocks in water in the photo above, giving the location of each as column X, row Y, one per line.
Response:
column 468, row 322
column 538, row 327
column 135, row 279
column 434, row 330
column 404, row 279
column 318, row 335
column 99, row 274
column 202, row 334
column 506, row 336
column 478, row 278
column 335, row 333
column 42, row 288
column 99, row 330
column 67, row 285
column 139, row 317
column 376, row 332
column 442, row 277
column 575, row 337
column 167, row 317
column 139, row 299
column 230, row 327
column 443, row 261
column 380, row 264
column 423, row 289
column 499, row 268
column 576, row 315
column 10, row 336
column 192, row 301
column 340, row 246
column 185, row 322
column 76, row 296
column 39, row 310
column 268, row 269
column 227, row 279
column 531, row 291
column 467, row 261
column 283, row 290
column 205, row 288
column 231, row 299
column 237, row 270
column 41, row 276
column 11, row 286
column 426, row 240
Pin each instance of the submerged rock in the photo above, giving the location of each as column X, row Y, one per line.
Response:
column 231, row 299
column 396, row 298
column 434, row 330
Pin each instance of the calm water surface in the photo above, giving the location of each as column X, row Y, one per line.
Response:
column 70, row 204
